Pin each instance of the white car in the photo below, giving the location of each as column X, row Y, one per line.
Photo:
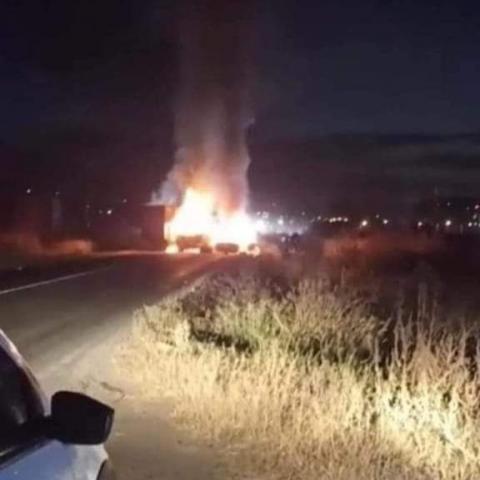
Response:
column 38, row 441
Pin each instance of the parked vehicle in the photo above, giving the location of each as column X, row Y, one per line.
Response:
column 40, row 440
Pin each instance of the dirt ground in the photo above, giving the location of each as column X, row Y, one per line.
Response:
column 144, row 444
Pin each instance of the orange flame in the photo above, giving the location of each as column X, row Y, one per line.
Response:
column 199, row 215
column 172, row 249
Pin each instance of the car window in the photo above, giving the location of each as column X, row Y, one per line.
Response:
column 20, row 404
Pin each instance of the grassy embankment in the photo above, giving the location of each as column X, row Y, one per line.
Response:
column 303, row 380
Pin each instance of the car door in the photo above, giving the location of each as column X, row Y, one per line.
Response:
column 25, row 454
column 39, row 460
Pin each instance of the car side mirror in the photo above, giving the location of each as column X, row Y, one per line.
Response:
column 78, row 419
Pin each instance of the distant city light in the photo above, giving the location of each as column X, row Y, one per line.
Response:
column 109, row 211
column 420, row 224
column 280, row 221
column 448, row 223
column 364, row 223
column 470, row 224
column 124, row 200
column 261, row 226
column 386, row 221
column 28, row 191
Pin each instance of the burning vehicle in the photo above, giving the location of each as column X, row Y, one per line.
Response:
column 208, row 181
column 199, row 223
column 193, row 242
column 227, row 248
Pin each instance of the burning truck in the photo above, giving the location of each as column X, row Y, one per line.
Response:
column 199, row 224
column 208, row 180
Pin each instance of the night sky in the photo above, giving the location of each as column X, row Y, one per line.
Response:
column 371, row 66
column 88, row 88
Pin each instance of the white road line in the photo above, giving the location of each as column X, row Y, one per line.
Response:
column 52, row 280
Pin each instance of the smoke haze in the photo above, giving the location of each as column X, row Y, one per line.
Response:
column 213, row 110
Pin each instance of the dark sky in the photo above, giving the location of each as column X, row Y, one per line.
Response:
column 86, row 90
column 87, row 87
column 371, row 66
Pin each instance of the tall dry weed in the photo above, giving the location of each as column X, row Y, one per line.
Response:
column 293, row 383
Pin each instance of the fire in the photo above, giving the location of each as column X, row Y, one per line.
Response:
column 172, row 248
column 193, row 217
column 199, row 216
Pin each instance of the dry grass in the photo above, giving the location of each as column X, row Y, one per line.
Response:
column 380, row 245
column 304, row 381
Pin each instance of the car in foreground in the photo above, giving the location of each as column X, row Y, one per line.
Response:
column 40, row 440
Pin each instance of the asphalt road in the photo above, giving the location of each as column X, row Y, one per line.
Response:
column 68, row 324
column 55, row 318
